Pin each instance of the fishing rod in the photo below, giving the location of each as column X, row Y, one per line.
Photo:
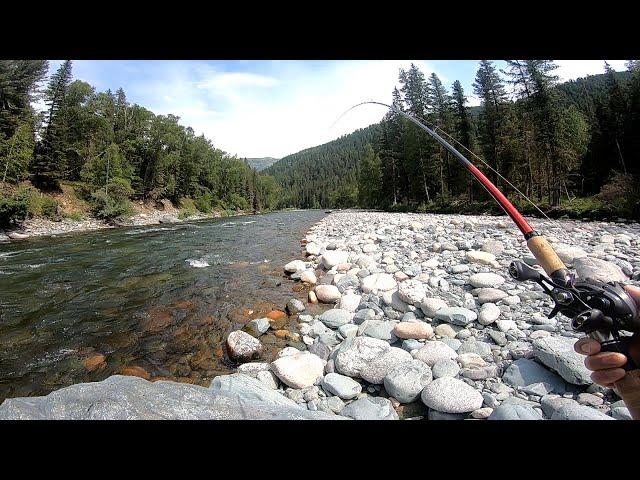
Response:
column 600, row 310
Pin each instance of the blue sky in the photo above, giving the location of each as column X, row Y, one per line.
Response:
column 274, row 108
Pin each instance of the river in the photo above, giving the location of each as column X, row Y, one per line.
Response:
column 159, row 298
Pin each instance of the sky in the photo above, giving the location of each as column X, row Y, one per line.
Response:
column 272, row 108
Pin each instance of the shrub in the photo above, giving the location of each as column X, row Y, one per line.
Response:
column 115, row 203
column 13, row 207
column 238, row 202
column 204, row 203
column 187, row 208
column 621, row 194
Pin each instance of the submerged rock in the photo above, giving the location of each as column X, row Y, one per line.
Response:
column 243, row 347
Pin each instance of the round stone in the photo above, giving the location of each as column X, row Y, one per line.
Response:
column 416, row 330
column 450, row 395
column 486, row 280
column 405, row 381
column 327, row 293
column 445, row 368
column 341, row 385
column 432, row 351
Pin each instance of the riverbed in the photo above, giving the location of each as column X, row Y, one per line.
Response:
column 157, row 299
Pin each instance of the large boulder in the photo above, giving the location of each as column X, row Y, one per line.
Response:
column 133, row 398
column 558, row 354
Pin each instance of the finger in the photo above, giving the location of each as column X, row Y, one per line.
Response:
column 634, row 292
column 587, row 346
column 605, row 360
column 608, row 377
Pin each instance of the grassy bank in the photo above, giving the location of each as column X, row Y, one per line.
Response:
column 591, row 208
column 73, row 202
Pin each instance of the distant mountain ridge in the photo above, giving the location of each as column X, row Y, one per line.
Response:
column 262, row 162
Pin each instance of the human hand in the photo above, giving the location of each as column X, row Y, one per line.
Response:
column 607, row 366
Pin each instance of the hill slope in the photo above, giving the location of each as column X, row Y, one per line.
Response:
column 318, row 176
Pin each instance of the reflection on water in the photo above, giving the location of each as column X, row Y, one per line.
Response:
column 81, row 307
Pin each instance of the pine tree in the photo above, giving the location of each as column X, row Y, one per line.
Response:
column 370, row 179
column 463, row 132
column 18, row 83
column 490, row 88
column 49, row 161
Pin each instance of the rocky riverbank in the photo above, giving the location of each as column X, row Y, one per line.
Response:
column 37, row 227
column 421, row 322
column 427, row 324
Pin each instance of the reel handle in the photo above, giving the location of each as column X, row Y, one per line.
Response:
column 628, row 388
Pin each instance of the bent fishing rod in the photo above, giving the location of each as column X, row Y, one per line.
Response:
column 600, row 310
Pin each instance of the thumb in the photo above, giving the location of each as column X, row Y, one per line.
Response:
column 634, row 292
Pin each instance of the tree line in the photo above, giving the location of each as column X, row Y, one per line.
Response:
column 118, row 150
column 559, row 144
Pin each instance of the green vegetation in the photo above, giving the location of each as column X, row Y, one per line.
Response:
column 573, row 148
column 114, row 149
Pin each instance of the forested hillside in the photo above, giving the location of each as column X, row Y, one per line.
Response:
column 570, row 146
column 112, row 149
column 325, row 175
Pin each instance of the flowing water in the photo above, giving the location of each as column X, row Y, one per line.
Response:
column 82, row 307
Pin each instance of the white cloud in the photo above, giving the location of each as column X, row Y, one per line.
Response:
column 274, row 108
column 572, row 69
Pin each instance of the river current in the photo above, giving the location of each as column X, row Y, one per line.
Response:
column 159, row 299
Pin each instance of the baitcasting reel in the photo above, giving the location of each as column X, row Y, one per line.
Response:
column 598, row 309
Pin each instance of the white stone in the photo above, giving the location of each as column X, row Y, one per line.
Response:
column 378, row 282
column 294, row 266
column 300, row 370
column 430, row 306
column 332, row 258
column 327, row 293
column 308, row 276
column 350, row 302
column 411, row 291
